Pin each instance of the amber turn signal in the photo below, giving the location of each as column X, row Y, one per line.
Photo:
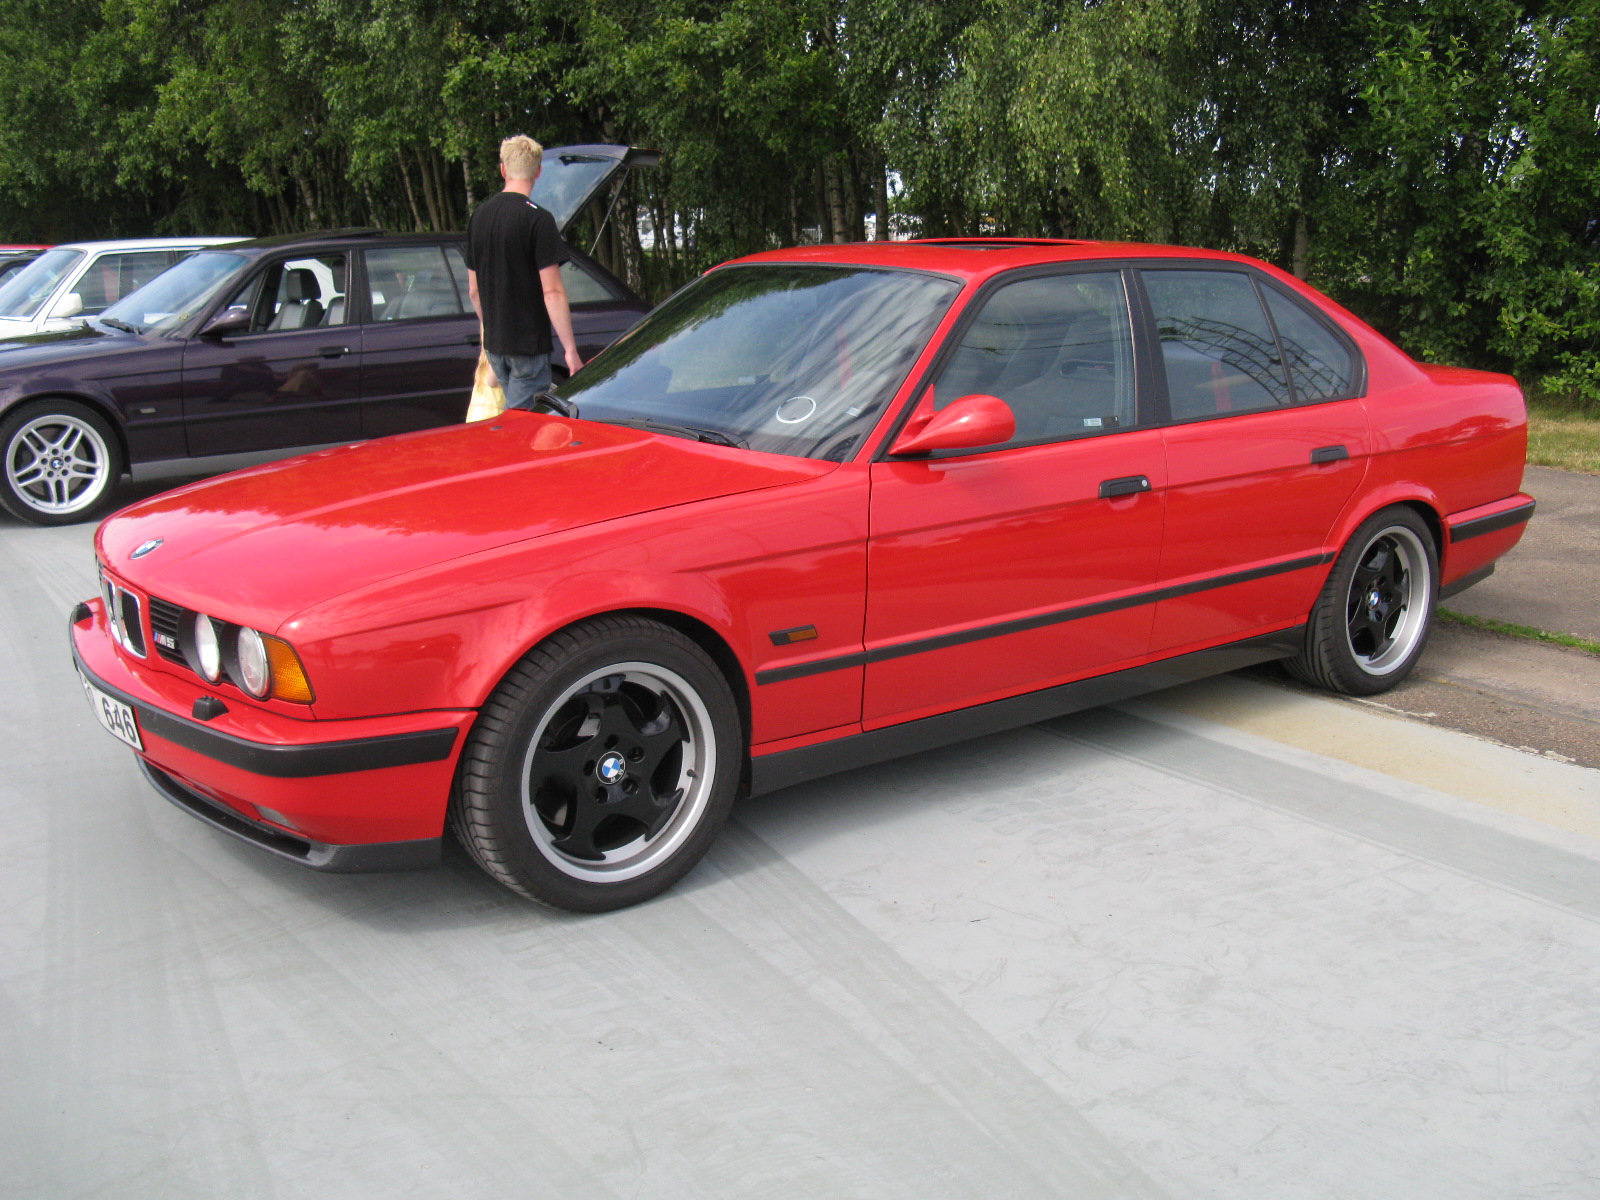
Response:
column 289, row 680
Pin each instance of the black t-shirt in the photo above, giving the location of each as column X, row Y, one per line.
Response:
column 510, row 240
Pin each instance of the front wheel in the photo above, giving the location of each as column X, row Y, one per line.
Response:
column 602, row 767
column 1371, row 622
column 61, row 461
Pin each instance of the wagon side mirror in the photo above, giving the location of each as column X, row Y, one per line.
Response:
column 228, row 323
column 965, row 424
column 71, row 305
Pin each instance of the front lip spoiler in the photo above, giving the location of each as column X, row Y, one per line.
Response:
column 273, row 761
column 319, row 856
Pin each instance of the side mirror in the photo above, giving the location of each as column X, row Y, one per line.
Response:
column 71, row 305
column 964, row 424
column 227, row 323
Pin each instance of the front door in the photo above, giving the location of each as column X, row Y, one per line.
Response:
column 1019, row 567
column 292, row 379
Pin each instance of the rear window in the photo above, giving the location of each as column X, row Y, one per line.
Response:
column 1319, row 363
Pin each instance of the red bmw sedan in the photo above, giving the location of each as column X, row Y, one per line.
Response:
column 824, row 507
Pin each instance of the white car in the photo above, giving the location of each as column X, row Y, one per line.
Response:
column 79, row 279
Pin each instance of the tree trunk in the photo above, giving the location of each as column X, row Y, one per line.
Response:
column 435, row 223
column 306, row 198
column 824, row 214
column 880, row 198
column 466, row 175
column 1302, row 245
column 840, row 229
column 411, row 196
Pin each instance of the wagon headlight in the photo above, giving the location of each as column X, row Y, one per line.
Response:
column 255, row 673
column 207, row 647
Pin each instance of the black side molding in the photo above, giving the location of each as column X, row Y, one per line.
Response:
column 319, row 856
column 1466, row 581
column 1492, row 523
column 769, row 772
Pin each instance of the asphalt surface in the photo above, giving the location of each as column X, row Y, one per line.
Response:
column 1232, row 940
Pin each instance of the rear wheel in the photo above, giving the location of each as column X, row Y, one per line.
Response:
column 602, row 767
column 61, row 460
column 1371, row 622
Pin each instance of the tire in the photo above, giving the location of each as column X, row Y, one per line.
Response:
column 1371, row 622
column 59, row 461
column 601, row 768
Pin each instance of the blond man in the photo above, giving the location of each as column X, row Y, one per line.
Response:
column 514, row 257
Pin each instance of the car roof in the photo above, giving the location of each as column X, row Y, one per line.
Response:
column 972, row 259
column 344, row 237
column 146, row 244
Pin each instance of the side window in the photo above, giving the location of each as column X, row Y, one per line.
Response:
column 1219, row 351
column 1058, row 349
column 112, row 276
column 582, row 287
column 408, row 283
column 300, row 293
column 1319, row 363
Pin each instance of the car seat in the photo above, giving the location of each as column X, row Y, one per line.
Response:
column 300, row 304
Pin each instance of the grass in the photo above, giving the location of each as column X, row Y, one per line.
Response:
column 1521, row 631
column 1563, row 434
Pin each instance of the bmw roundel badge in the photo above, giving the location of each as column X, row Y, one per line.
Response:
column 144, row 548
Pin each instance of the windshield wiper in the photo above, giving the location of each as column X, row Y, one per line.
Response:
column 116, row 324
column 550, row 400
column 693, row 432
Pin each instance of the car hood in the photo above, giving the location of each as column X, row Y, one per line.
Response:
column 83, row 341
column 260, row 545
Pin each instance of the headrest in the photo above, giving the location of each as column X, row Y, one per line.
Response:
column 301, row 284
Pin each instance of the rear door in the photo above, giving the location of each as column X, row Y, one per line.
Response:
column 1021, row 566
column 1266, row 447
column 419, row 336
column 294, row 378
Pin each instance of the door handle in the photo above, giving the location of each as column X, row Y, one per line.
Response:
column 473, row 339
column 333, row 351
column 1128, row 485
column 1327, row 454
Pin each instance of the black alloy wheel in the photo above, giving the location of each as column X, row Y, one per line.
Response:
column 602, row 767
column 1371, row 622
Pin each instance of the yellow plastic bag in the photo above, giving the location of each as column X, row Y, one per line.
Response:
column 488, row 399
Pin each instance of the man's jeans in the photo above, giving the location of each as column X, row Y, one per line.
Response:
column 521, row 376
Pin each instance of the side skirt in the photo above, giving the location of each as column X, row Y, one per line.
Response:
column 769, row 772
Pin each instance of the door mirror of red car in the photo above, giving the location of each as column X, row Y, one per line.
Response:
column 227, row 323
column 964, row 424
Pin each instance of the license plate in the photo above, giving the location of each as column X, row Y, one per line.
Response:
column 116, row 716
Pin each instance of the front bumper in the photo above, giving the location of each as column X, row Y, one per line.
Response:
column 371, row 798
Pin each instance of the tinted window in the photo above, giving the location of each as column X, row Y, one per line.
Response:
column 409, row 283
column 1057, row 349
column 582, row 287
column 785, row 358
column 302, row 293
column 1218, row 349
column 112, row 276
column 1319, row 364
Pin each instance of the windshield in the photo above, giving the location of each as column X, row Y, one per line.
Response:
column 787, row 358
column 24, row 293
column 177, row 294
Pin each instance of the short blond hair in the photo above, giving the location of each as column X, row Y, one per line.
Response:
column 521, row 156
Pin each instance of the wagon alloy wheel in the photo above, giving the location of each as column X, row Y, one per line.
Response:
column 601, row 768
column 1372, row 620
column 60, row 463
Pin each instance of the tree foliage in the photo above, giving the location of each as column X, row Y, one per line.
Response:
column 1433, row 163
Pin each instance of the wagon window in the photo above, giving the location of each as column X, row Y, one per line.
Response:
column 1058, row 349
column 1217, row 347
column 1319, row 363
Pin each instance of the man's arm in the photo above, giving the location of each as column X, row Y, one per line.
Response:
column 555, row 303
column 472, row 291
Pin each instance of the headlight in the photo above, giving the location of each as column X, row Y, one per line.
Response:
column 208, row 647
column 255, row 675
